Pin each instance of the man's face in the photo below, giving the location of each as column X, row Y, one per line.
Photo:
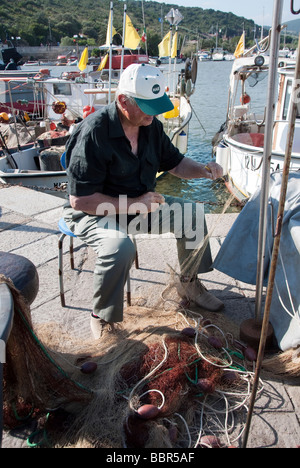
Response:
column 135, row 115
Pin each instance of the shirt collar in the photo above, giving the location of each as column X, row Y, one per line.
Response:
column 115, row 129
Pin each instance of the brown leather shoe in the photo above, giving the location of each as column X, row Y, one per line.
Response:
column 194, row 291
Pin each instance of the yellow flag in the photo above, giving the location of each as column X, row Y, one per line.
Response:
column 103, row 63
column 132, row 39
column 107, row 43
column 164, row 46
column 240, row 47
column 83, row 59
column 174, row 45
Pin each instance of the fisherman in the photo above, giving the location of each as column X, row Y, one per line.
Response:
column 112, row 161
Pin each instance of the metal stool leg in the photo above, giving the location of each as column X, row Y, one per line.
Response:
column 71, row 253
column 128, row 291
column 60, row 269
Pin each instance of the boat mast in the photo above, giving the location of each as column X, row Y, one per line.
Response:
column 110, row 48
column 123, row 39
column 270, row 110
column 276, row 243
column 144, row 26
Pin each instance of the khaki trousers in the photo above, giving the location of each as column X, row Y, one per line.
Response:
column 109, row 237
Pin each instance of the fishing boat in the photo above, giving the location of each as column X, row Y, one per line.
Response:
column 63, row 102
column 218, row 55
column 204, row 56
column 239, row 146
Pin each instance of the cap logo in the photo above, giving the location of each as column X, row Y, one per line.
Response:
column 156, row 89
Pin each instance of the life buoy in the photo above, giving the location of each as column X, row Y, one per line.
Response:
column 70, row 75
column 187, row 70
column 87, row 110
column 59, row 107
column 44, row 71
column 194, row 70
column 190, row 76
column 245, row 99
column 4, row 117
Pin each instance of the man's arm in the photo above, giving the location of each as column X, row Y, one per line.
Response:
column 100, row 204
column 189, row 169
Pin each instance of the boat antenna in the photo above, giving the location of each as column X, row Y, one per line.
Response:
column 110, row 48
column 174, row 17
column 144, row 26
column 123, row 39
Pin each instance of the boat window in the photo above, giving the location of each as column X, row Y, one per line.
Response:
column 287, row 100
column 62, row 89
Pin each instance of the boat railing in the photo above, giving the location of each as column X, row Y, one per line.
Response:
column 6, row 321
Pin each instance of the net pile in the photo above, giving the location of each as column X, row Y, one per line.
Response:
column 171, row 363
column 33, row 381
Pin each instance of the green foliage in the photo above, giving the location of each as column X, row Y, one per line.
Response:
column 39, row 21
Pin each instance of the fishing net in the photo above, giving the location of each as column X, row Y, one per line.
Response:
column 33, row 381
column 173, row 365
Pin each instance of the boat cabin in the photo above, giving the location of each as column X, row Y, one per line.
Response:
column 284, row 109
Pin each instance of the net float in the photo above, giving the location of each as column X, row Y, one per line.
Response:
column 188, row 332
column 215, row 342
column 230, row 377
column 206, row 385
column 88, row 367
column 205, row 322
column 250, row 354
column 148, row 411
column 185, row 303
column 210, row 441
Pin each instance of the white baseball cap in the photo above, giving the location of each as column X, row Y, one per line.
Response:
column 146, row 84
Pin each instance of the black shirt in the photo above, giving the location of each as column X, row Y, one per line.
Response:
column 99, row 157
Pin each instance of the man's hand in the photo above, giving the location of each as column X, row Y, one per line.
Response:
column 213, row 171
column 146, row 203
column 190, row 169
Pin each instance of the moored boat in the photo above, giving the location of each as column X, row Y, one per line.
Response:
column 239, row 148
column 62, row 103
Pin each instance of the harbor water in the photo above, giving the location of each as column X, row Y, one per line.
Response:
column 209, row 102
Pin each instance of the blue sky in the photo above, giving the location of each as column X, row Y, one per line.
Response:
column 261, row 11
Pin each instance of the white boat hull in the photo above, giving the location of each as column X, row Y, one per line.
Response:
column 40, row 179
column 243, row 164
column 26, row 172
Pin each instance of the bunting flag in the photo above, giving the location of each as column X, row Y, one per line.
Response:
column 107, row 43
column 144, row 36
column 132, row 39
column 164, row 46
column 240, row 48
column 83, row 59
column 174, row 45
column 103, row 63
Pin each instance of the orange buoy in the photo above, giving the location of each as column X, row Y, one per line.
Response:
column 87, row 110
column 245, row 98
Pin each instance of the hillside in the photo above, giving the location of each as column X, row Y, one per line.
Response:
column 294, row 26
column 43, row 21
column 35, row 22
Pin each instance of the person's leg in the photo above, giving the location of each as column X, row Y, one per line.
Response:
column 115, row 255
column 186, row 220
